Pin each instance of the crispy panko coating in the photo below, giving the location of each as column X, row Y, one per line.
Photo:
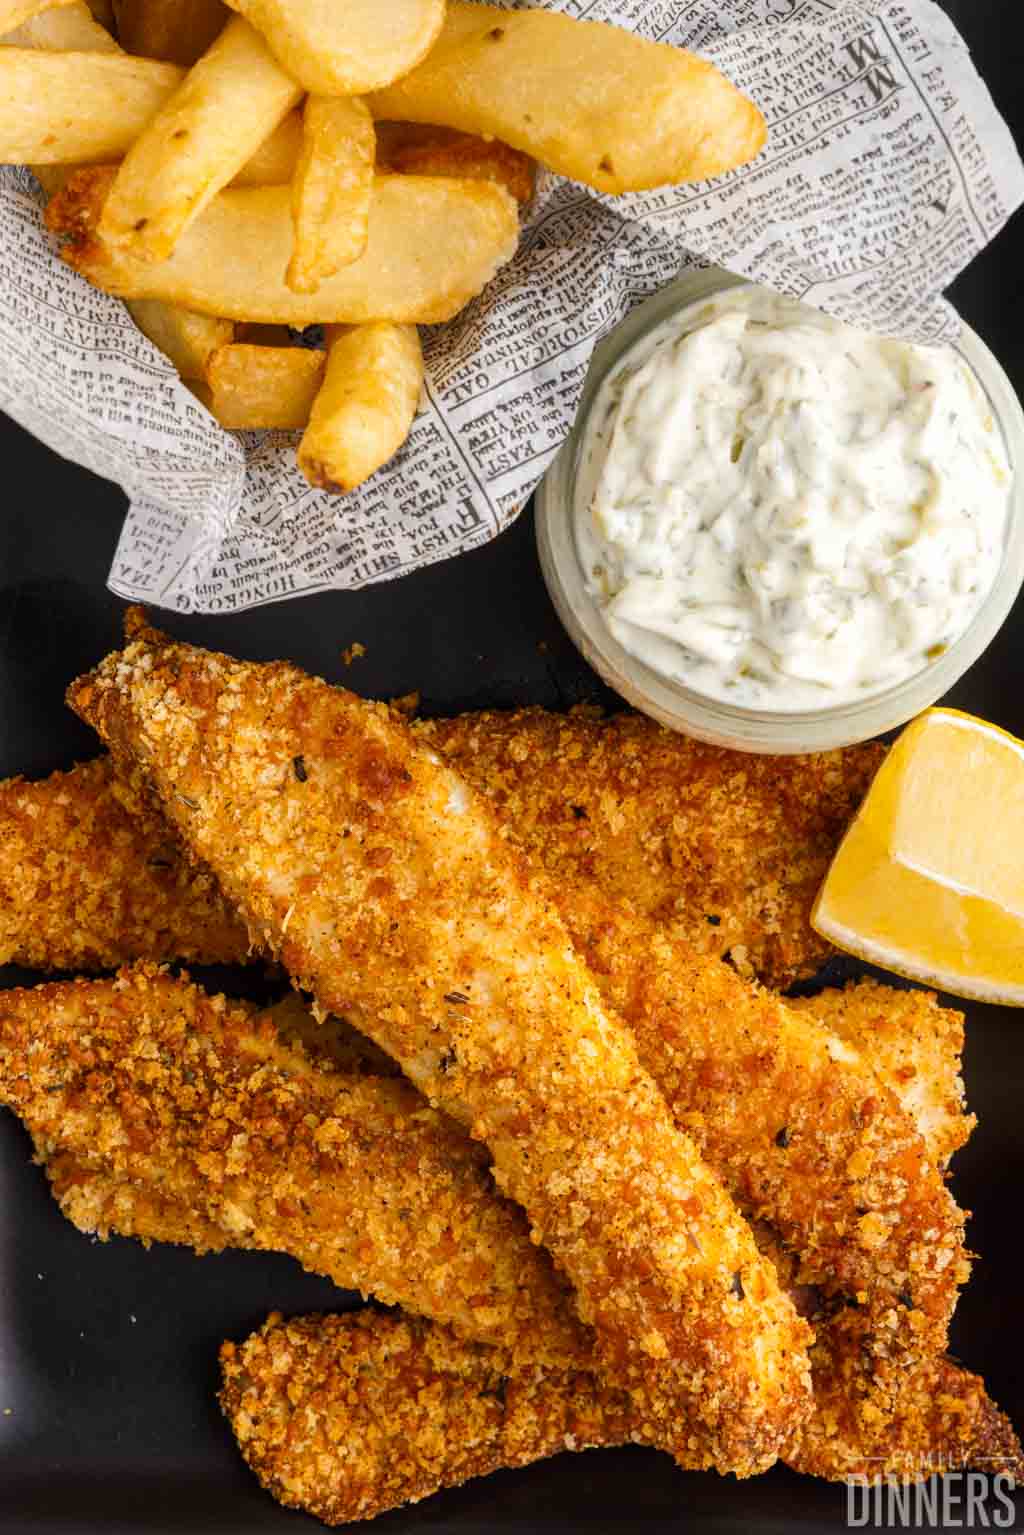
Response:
column 349, row 1416
column 388, row 889
column 944, row 1420
column 91, row 875
column 724, row 850
column 163, row 1113
column 402, row 1207
column 741, row 1070
column 914, row 1044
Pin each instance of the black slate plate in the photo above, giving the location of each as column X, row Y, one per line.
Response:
column 107, row 1352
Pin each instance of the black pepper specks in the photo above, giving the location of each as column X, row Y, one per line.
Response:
column 455, row 997
column 782, row 1139
column 737, row 1286
column 579, row 812
column 299, row 766
column 712, row 920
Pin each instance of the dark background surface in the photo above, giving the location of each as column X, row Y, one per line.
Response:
column 107, row 1352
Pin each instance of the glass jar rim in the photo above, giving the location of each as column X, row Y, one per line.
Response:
column 710, row 719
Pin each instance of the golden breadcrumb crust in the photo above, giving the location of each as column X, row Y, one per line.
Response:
column 725, row 850
column 388, row 889
column 403, row 1208
column 683, row 1013
column 805, row 1134
column 349, row 1416
column 501, row 754
column 91, row 876
column 164, row 1113
column 915, row 1046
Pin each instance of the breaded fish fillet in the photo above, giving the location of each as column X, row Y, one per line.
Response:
column 395, row 1201
column 164, row 1113
column 388, row 889
column 349, row 1416
column 683, row 1014
column 723, row 849
column 93, row 876
column 800, row 1129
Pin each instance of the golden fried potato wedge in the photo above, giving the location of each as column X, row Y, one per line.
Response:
column 346, row 47
column 61, row 28
column 434, row 244
column 264, row 386
column 196, row 143
column 366, row 405
column 332, row 189
column 589, row 100
column 14, row 12
column 76, row 108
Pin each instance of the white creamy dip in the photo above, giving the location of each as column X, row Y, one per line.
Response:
column 785, row 513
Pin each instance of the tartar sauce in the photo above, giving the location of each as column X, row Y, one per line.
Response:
column 785, row 513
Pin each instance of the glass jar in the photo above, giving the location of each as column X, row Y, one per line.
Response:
column 709, row 719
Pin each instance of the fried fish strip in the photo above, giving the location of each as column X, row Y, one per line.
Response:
column 187, row 1120
column 851, row 1190
column 725, row 850
column 163, row 1113
column 349, row 1416
column 742, row 1072
column 388, row 889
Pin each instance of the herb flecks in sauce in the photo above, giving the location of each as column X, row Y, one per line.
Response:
column 786, row 513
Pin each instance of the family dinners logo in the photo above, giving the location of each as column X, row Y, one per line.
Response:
column 958, row 1500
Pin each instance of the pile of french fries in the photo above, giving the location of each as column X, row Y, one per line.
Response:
column 237, row 176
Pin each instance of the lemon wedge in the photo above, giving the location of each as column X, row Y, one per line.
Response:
column 929, row 879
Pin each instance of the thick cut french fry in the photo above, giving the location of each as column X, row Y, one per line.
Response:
column 332, row 189
column 14, row 12
column 219, row 116
column 188, row 339
column 367, row 404
column 346, row 49
column 419, row 149
column 177, row 31
column 114, row 98
column 76, row 108
column 434, row 244
column 589, row 100
column 263, row 386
